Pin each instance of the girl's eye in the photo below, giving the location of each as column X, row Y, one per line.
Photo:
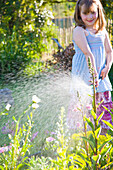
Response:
column 84, row 13
column 93, row 12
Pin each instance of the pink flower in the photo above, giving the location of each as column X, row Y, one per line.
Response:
column 1, row 149
column 75, row 109
column 5, row 148
column 78, row 124
column 50, row 139
column 10, row 147
column 89, row 106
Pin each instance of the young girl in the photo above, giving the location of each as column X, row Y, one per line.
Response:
column 91, row 40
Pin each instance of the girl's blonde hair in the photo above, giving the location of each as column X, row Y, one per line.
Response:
column 88, row 3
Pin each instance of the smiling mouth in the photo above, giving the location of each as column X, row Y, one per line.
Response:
column 89, row 20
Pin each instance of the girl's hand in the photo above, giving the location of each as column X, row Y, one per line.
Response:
column 104, row 72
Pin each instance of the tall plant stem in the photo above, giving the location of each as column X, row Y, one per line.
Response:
column 95, row 110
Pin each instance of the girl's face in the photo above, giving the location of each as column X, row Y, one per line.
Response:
column 89, row 17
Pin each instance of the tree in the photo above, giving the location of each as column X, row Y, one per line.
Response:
column 24, row 25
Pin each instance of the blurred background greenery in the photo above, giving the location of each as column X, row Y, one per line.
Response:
column 26, row 29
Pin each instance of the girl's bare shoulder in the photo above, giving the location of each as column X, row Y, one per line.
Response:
column 77, row 31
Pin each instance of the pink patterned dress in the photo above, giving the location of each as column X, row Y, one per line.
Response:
column 105, row 97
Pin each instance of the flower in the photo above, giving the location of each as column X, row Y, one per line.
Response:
column 89, row 106
column 50, row 139
column 46, row 131
column 35, row 105
column 4, row 149
column 8, row 107
column 75, row 109
column 34, row 136
column 1, row 149
column 35, row 99
column 78, row 124
column 53, row 133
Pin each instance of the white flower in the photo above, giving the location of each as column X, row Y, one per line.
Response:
column 35, row 105
column 49, row 22
column 37, row 10
column 35, row 99
column 8, row 107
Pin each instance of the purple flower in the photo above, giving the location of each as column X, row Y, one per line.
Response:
column 13, row 122
column 50, row 139
column 46, row 131
column 3, row 128
column 53, row 133
column 34, row 136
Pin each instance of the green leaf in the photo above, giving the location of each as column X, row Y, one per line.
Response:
column 108, row 111
column 14, row 119
column 107, row 165
column 83, row 155
column 100, row 117
column 97, row 132
column 1, row 167
column 105, row 150
column 109, row 124
column 20, row 165
column 93, row 114
column 92, row 138
column 31, row 115
column 104, row 143
column 85, row 158
column 100, row 103
column 95, row 157
column 90, row 123
column 110, row 132
column 79, row 161
column 92, row 144
column 3, row 113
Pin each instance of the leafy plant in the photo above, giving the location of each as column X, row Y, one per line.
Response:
column 26, row 29
column 95, row 152
column 15, row 155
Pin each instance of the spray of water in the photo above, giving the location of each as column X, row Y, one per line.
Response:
column 55, row 91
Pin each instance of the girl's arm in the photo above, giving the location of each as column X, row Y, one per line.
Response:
column 109, row 54
column 80, row 39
